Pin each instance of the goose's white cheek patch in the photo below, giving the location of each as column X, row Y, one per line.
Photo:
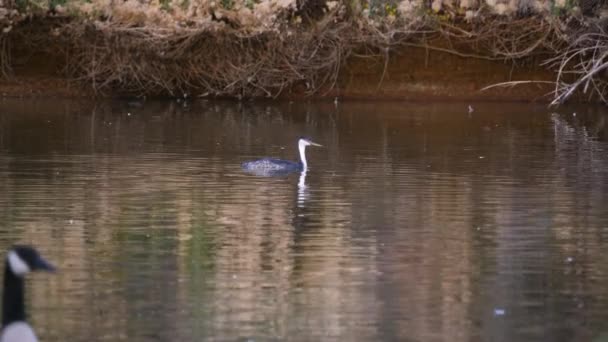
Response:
column 17, row 265
column 18, row 332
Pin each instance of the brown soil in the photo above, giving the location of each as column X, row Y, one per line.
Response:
column 410, row 74
column 418, row 74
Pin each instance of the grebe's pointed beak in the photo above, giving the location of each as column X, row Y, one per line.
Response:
column 315, row 144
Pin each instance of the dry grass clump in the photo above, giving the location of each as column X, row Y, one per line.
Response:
column 244, row 15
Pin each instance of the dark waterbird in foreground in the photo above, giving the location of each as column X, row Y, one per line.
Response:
column 275, row 167
column 20, row 260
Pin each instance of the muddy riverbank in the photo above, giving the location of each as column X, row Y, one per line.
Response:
column 406, row 74
column 549, row 51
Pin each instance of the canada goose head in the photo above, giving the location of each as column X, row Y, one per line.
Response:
column 20, row 260
column 24, row 259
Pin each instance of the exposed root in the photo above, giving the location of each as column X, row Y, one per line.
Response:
column 213, row 63
column 513, row 84
column 225, row 62
column 513, row 39
column 5, row 56
column 582, row 67
column 232, row 63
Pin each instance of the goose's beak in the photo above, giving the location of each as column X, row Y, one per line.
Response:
column 315, row 144
column 43, row 265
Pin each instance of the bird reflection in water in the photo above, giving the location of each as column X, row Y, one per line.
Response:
column 302, row 212
column 303, row 194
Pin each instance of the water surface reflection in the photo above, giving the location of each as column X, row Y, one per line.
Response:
column 415, row 223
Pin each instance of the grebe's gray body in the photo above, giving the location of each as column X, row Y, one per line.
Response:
column 272, row 167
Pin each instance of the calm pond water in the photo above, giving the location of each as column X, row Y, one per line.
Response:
column 414, row 223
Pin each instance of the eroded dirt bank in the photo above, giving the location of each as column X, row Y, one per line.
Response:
column 533, row 50
column 407, row 74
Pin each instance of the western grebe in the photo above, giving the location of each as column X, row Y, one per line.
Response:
column 20, row 260
column 270, row 166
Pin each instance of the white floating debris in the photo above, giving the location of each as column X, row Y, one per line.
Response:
column 499, row 312
column 471, row 110
column 569, row 259
column 481, row 157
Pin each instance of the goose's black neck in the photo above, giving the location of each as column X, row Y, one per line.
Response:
column 13, row 307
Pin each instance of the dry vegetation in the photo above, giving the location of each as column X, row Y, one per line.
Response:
column 262, row 47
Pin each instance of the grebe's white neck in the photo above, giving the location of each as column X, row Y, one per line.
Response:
column 302, row 147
